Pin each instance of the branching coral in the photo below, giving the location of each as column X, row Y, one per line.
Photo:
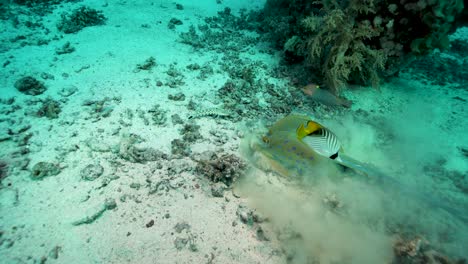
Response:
column 359, row 41
column 340, row 45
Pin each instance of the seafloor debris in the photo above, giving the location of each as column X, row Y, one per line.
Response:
column 224, row 168
column 147, row 65
column 109, row 204
column 150, row 223
column 184, row 229
column 174, row 22
column 175, row 77
column 30, row 85
column 68, row 90
column 44, row 169
column 158, row 115
column 191, row 132
column 176, row 97
column 80, row 18
column 99, row 108
column 91, row 172
column 66, row 48
column 128, row 150
column 418, row 250
column 332, row 201
column 3, row 170
column 180, row 147
column 249, row 216
column 50, row 108
column 217, row 189
column 409, row 248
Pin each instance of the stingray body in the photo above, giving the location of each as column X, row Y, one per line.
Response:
column 284, row 152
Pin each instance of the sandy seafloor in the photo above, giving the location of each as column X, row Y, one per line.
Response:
column 414, row 131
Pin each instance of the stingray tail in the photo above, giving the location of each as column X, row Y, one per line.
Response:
column 366, row 170
column 385, row 181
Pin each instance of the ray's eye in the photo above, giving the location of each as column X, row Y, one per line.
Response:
column 334, row 156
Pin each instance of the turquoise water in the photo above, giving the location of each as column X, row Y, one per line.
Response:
column 129, row 132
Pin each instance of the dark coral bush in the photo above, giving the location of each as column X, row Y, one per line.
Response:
column 359, row 41
column 80, row 18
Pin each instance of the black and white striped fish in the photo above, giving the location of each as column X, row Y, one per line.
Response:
column 320, row 139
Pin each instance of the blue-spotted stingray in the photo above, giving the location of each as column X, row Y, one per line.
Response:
column 296, row 145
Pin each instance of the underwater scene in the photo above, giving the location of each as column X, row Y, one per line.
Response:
column 234, row 131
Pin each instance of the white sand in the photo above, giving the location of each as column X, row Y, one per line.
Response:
column 38, row 215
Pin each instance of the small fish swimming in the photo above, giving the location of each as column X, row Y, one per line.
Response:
column 324, row 96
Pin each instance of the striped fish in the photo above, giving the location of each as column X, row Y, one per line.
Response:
column 320, row 139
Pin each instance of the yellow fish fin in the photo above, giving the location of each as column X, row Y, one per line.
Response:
column 305, row 131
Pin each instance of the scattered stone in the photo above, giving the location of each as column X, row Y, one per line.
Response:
column 174, row 22
column 193, row 66
column 44, row 169
column 150, row 223
column 225, row 168
column 463, row 151
column 7, row 101
column 54, row 253
column 135, row 185
column 332, row 201
column 179, row 227
column 179, row 6
column 30, row 86
column 109, row 204
column 91, row 172
column 434, row 257
column 66, row 48
column 177, row 97
column 261, row 234
column 191, row 133
column 245, row 214
column 158, row 115
column 50, row 108
column 180, row 243
column 160, row 187
column 19, row 129
column 4, row 137
column 68, row 91
column 130, row 152
column 23, row 139
column 176, row 77
column 47, row 76
column 147, row 65
column 3, row 170
column 176, row 120
column 217, row 189
column 180, row 148
column 99, row 109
